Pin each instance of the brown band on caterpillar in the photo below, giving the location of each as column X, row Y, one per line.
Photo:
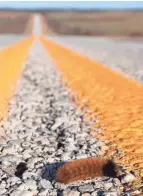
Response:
column 86, row 168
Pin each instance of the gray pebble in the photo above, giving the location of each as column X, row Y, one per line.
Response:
column 71, row 193
column 28, row 193
column 95, row 193
column 66, row 156
column 98, row 185
column 2, row 191
column 56, row 125
column 44, row 193
column 45, row 184
column 30, row 184
column 9, row 149
column 108, row 185
column 86, row 188
column 14, row 180
column 2, row 184
column 44, row 128
column 27, row 153
column 128, row 178
column 109, row 193
column 132, row 193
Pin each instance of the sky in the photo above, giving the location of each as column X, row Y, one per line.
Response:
column 72, row 4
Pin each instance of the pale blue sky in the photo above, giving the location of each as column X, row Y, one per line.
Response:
column 73, row 4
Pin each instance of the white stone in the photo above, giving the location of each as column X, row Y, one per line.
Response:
column 82, row 156
column 13, row 180
column 27, row 153
column 128, row 178
column 65, row 157
column 56, row 125
column 110, row 193
column 2, row 191
column 16, row 192
column 71, row 193
column 45, row 184
column 86, row 188
column 44, row 193
column 27, row 193
column 95, row 193
column 31, row 184
column 108, row 185
column 2, row 184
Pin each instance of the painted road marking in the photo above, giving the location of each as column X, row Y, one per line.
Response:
column 11, row 59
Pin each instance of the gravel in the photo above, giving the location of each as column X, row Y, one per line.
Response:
column 123, row 56
column 44, row 129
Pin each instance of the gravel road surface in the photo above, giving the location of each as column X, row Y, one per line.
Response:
column 123, row 56
column 44, row 130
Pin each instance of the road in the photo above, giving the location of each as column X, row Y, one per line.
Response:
column 7, row 40
column 45, row 128
column 36, row 25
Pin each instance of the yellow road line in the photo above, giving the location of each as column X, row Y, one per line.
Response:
column 115, row 100
column 11, row 59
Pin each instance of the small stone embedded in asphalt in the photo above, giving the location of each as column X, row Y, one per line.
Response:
column 30, row 184
column 45, row 130
column 66, row 156
column 13, row 180
column 108, row 185
column 56, row 125
column 110, row 193
column 132, row 193
column 45, row 184
column 2, row 184
column 86, row 194
column 28, row 193
column 16, row 192
column 86, row 188
column 9, row 149
column 43, row 193
column 95, row 193
column 71, row 193
column 2, row 191
column 128, row 178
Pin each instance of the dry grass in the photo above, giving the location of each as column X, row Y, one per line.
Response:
column 101, row 23
column 13, row 22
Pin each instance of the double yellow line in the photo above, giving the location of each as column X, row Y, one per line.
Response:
column 116, row 101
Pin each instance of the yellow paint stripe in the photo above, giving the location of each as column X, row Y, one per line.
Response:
column 11, row 59
column 115, row 100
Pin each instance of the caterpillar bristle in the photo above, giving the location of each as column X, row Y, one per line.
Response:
column 85, row 168
column 110, row 169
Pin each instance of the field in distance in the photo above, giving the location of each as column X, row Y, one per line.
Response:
column 121, row 24
column 14, row 22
